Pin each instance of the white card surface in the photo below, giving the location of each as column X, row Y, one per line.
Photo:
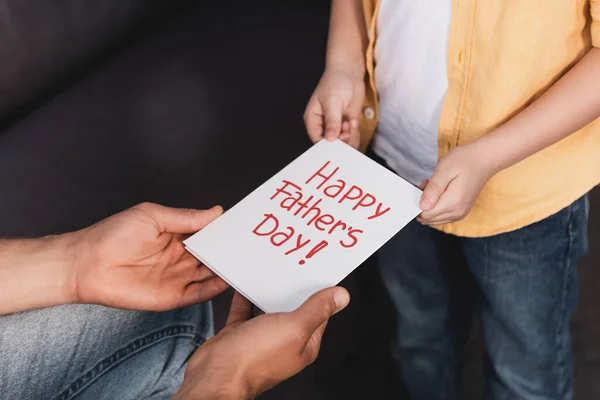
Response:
column 307, row 227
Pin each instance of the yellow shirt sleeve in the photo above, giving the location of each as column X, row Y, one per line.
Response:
column 595, row 11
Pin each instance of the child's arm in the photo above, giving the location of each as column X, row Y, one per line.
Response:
column 347, row 38
column 335, row 105
column 570, row 104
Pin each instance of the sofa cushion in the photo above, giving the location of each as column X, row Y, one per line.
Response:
column 43, row 42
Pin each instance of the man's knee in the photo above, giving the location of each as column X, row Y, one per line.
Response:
column 49, row 350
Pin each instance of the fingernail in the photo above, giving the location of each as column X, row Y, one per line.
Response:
column 354, row 123
column 341, row 299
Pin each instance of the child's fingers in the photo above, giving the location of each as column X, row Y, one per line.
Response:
column 354, row 134
column 450, row 205
column 313, row 120
column 440, row 219
column 434, row 189
column 345, row 127
column 426, row 217
column 345, row 133
column 354, row 108
column 443, row 206
column 332, row 110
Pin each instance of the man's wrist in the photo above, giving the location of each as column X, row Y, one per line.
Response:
column 208, row 388
column 211, row 392
column 72, row 255
column 209, row 377
column 56, row 261
column 36, row 273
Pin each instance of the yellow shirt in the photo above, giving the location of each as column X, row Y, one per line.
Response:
column 501, row 56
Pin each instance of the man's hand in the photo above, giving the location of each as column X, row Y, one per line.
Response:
column 334, row 108
column 250, row 356
column 455, row 185
column 136, row 260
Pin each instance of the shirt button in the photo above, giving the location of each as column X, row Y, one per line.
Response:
column 369, row 113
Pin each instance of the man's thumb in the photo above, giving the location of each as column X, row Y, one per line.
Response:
column 321, row 306
column 180, row 220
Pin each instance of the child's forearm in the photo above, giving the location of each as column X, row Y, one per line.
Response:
column 569, row 105
column 347, row 37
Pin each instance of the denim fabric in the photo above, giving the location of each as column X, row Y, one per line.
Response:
column 95, row 352
column 522, row 284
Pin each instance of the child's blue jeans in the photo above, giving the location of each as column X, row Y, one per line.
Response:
column 522, row 285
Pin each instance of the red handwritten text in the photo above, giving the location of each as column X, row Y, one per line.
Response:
column 309, row 209
column 269, row 226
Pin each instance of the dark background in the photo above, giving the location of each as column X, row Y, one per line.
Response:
column 107, row 103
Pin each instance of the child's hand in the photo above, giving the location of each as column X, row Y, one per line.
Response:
column 455, row 185
column 333, row 110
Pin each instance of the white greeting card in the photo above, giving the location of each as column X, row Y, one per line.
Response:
column 307, row 227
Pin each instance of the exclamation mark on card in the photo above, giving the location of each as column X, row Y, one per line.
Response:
column 314, row 251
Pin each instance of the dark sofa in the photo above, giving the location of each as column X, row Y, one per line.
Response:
column 107, row 103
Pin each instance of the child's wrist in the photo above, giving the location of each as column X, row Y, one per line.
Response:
column 492, row 149
column 353, row 66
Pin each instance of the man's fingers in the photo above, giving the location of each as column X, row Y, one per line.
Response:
column 313, row 120
column 203, row 273
column 333, row 119
column 320, row 307
column 199, row 292
column 179, row 220
column 311, row 349
column 314, row 314
column 318, row 334
column 241, row 310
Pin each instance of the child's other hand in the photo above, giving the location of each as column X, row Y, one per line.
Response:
column 455, row 185
column 334, row 108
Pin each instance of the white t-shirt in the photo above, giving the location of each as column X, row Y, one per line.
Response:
column 412, row 79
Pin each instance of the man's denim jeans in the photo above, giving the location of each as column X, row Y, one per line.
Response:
column 522, row 284
column 94, row 352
